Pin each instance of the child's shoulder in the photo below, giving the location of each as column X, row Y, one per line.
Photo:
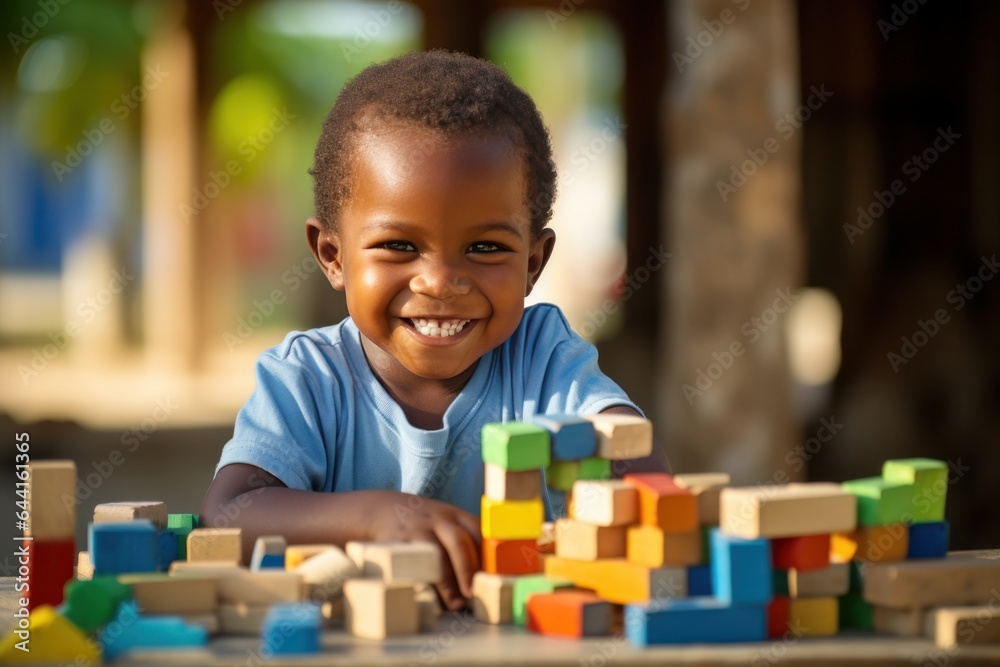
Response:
column 544, row 316
column 320, row 345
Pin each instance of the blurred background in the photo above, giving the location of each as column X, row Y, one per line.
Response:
column 777, row 220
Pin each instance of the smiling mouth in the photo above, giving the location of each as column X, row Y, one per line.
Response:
column 437, row 328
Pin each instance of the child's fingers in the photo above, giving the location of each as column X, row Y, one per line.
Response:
column 471, row 525
column 448, row 587
column 461, row 550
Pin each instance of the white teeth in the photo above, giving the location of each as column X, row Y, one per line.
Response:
column 438, row 328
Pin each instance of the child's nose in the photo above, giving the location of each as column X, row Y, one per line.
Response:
column 440, row 280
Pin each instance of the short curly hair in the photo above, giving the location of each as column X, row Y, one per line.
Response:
column 451, row 93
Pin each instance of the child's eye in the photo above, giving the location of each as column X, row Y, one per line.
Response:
column 486, row 247
column 399, row 246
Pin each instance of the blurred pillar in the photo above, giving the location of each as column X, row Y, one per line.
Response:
column 732, row 220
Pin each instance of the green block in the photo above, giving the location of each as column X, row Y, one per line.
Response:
column 779, row 582
column 91, row 604
column 881, row 502
column 706, row 544
column 561, row 474
column 929, row 478
column 516, row 446
column 856, row 579
column 526, row 586
column 855, row 612
column 181, row 525
column 595, row 468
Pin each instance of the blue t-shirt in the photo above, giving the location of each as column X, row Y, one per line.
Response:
column 319, row 419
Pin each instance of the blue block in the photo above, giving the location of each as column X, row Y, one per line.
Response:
column 741, row 569
column 168, row 549
column 130, row 631
column 693, row 620
column 928, row 540
column 700, row 581
column 123, row 547
column 572, row 437
column 291, row 628
column 272, row 560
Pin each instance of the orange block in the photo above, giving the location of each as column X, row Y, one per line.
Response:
column 808, row 552
column 651, row 547
column 569, row 614
column 511, row 556
column 663, row 503
column 871, row 544
column 619, row 581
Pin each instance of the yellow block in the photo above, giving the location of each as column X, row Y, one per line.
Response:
column 53, row 640
column 619, row 581
column 871, row 544
column 296, row 553
column 512, row 519
column 813, row 617
column 652, row 547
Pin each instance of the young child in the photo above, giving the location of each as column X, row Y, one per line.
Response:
column 433, row 184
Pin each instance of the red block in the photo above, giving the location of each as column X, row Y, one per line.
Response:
column 663, row 504
column 511, row 556
column 50, row 566
column 809, row 552
column 569, row 614
column 777, row 617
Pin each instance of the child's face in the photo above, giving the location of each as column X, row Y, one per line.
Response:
column 434, row 249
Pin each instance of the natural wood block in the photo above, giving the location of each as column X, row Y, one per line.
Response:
column 512, row 519
column 652, row 547
column 605, row 502
column 806, row 552
column 929, row 478
column 964, row 578
column 413, row 562
column 881, row 502
column 428, row 607
column 511, row 556
column 51, row 500
column 295, row 554
column 492, row 598
column 619, row 581
column 899, row 622
column 547, row 540
column 706, row 487
column 950, row 627
column 516, row 445
column 664, row 504
column 179, row 594
column 215, row 544
column 376, row 609
column 786, row 511
column 241, row 620
column 153, row 510
column 814, row 617
column 324, row 574
column 831, row 581
column 622, row 437
column 501, row 484
column 84, row 568
column 268, row 551
column 237, row 584
column 871, row 544
column 569, row 614
column 586, row 541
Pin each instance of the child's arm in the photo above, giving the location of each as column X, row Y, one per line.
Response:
column 655, row 462
column 247, row 497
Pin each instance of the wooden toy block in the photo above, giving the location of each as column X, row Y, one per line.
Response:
column 268, row 552
column 181, row 595
column 814, row 617
column 428, row 607
column 621, row 437
column 568, row 614
column 493, row 598
column 512, row 519
column 855, row 612
column 595, row 468
column 585, row 541
column 241, row 620
column 49, row 638
column 699, row 581
column 325, row 573
column 928, row 540
column 547, row 540
column 561, row 475
column 84, row 568
column 295, row 554
column 741, row 569
column 871, row 544
column 503, row 484
column 605, row 503
column 207, row 622
column 694, row 620
column 118, row 548
column 91, row 604
column 133, row 632
column 881, row 502
column 619, row 581
column 664, row 504
column 511, row 556
column 652, row 547
column 516, row 446
column 215, row 544
column 572, row 438
column 950, row 627
column 832, row 581
column 50, row 566
column 899, row 622
column 51, row 500
column 292, row 629
column 929, row 478
column 414, row 562
column 786, row 511
column 777, row 617
column 532, row 584
column 804, row 553
column 155, row 511
column 706, row 544
column 963, row 578
column 376, row 609
column 237, row 584
column 180, row 525
column 706, row 487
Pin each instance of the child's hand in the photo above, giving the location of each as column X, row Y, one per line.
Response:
column 407, row 518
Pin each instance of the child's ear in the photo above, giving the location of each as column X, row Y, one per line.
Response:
column 541, row 250
column 325, row 246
